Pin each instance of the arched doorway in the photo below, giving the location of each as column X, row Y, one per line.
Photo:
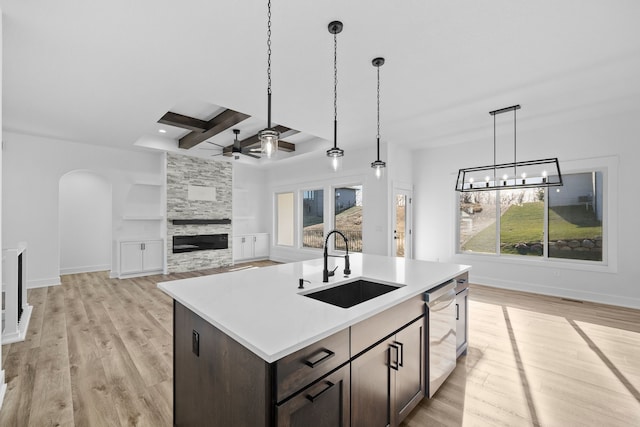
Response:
column 85, row 222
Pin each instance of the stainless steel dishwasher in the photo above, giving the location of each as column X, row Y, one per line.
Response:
column 441, row 342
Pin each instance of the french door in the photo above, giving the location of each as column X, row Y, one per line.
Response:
column 401, row 245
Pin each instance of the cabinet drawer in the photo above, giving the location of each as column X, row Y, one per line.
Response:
column 312, row 362
column 372, row 330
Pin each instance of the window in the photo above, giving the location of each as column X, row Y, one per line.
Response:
column 348, row 216
column 284, row 214
column 575, row 218
column 477, row 222
column 313, row 219
column 514, row 222
column 522, row 221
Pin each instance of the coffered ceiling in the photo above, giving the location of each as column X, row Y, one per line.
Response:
column 105, row 72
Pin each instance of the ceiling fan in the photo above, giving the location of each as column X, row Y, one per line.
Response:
column 236, row 149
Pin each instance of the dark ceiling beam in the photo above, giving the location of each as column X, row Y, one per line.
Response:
column 286, row 146
column 220, row 123
column 184, row 122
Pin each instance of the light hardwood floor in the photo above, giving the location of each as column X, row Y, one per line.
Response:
column 99, row 353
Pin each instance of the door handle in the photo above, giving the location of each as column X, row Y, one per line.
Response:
column 314, row 397
column 457, row 311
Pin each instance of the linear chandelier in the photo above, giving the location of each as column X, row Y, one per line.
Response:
column 523, row 174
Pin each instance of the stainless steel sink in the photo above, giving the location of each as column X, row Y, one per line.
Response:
column 352, row 293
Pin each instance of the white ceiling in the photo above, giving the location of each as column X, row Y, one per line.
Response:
column 104, row 72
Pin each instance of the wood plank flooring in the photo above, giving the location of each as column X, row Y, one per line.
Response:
column 541, row 361
column 99, row 353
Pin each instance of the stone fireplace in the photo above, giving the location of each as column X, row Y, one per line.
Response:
column 199, row 203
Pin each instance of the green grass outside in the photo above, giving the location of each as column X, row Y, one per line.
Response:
column 524, row 223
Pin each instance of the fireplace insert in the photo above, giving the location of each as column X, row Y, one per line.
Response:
column 200, row 242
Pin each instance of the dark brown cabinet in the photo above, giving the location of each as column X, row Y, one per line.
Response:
column 387, row 381
column 410, row 375
column 370, row 374
column 323, row 404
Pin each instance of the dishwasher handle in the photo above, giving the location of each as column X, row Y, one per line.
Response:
column 444, row 289
column 443, row 302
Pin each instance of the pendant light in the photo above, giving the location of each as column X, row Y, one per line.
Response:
column 335, row 153
column 519, row 174
column 269, row 136
column 378, row 166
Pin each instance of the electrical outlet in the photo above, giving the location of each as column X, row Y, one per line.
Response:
column 195, row 343
column 556, row 273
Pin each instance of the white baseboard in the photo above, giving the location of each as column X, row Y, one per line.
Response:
column 141, row 274
column 558, row 292
column 85, row 269
column 3, row 388
column 43, row 283
column 23, row 326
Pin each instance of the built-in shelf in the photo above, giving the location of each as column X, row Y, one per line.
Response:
column 149, row 183
column 142, row 217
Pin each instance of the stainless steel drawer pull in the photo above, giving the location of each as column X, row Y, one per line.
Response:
column 312, row 398
column 328, row 355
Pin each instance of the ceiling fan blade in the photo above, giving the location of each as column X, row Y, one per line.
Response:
column 213, row 143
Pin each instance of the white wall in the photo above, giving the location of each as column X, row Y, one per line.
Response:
column 32, row 170
column 85, row 222
column 250, row 200
column 314, row 171
column 435, row 209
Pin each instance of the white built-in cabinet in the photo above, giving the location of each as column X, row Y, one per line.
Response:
column 141, row 256
column 250, row 246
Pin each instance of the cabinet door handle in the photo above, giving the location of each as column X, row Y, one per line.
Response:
column 397, row 365
column 313, row 363
column 400, row 352
column 457, row 311
column 314, row 397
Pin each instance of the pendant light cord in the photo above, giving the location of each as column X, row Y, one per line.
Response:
column 269, row 62
column 378, row 135
column 515, row 157
column 335, row 90
column 494, row 150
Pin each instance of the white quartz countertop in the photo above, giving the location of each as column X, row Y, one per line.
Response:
column 264, row 310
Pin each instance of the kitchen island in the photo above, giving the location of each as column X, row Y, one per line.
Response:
column 251, row 349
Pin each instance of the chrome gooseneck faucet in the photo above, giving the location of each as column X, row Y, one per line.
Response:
column 325, row 272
